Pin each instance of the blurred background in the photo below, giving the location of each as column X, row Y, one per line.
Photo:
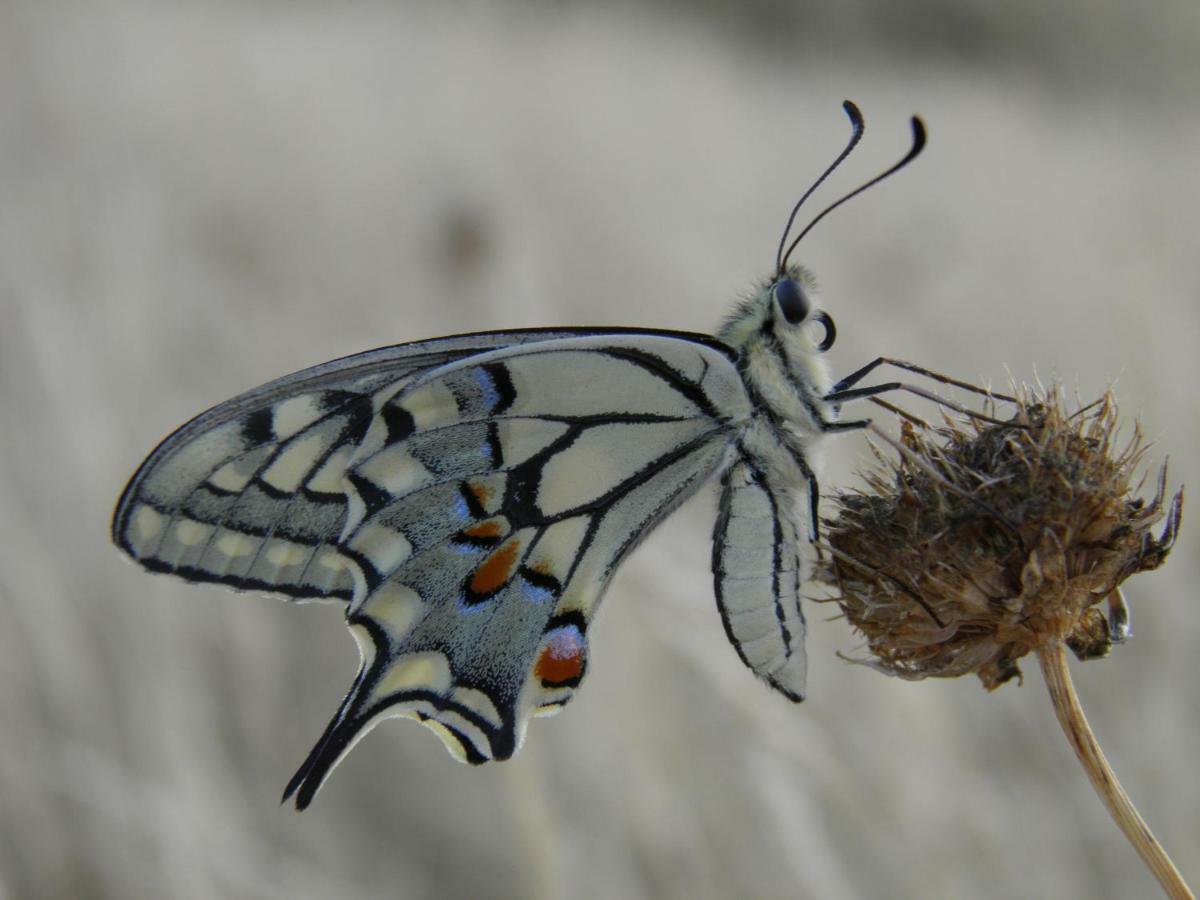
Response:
column 196, row 197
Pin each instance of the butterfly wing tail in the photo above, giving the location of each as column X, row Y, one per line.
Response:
column 342, row 732
column 398, row 681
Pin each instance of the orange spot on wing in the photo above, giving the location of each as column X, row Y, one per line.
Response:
column 497, row 569
column 487, row 529
column 561, row 660
column 481, row 492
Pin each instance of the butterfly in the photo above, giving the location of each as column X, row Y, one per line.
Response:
column 468, row 499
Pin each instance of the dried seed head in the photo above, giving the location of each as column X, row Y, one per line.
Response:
column 982, row 542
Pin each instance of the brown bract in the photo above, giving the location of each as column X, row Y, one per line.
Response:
column 980, row 542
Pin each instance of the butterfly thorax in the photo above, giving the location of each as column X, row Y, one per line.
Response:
column 784, row 374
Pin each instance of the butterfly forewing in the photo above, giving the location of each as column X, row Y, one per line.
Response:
column 251, row 493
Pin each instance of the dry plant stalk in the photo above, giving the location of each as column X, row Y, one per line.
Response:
column 982, row 542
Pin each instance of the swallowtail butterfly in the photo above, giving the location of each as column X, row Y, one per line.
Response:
column 467, row 499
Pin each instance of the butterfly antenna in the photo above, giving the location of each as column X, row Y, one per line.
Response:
column 856, row 125
column 919, row 136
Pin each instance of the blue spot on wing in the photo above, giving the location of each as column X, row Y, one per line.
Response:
column 487, row 387
column 536, row 594
column 539, row 587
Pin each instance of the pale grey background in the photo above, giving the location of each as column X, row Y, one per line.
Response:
column 198, row 196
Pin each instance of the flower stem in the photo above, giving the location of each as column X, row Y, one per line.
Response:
column 1053, row 659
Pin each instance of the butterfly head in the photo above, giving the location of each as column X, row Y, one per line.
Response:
column 784, row 308
column 792, row 310
column 783, row 313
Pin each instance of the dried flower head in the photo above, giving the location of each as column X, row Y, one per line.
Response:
column 982, row 542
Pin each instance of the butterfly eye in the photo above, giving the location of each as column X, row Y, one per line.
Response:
column 792, row 302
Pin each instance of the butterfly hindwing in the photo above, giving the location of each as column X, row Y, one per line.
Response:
column 758, row 571
column 491, row 501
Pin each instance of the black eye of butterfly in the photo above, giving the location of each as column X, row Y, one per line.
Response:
column 792, row 302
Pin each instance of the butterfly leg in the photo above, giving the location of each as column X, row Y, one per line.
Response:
column 814, row 501
column 810, row 478
column 851, row 425
column 1119, row 630
column 859, row 374
column 814, row 494
column 839, row 396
